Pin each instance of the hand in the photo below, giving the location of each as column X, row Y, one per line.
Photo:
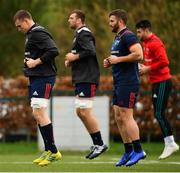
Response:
column 143, row 69
column 67, row 63
column 31, row 63
column 106, row 63
column 71, row 57
column 112, row 59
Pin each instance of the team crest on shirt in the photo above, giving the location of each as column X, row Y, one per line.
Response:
column 115, row 44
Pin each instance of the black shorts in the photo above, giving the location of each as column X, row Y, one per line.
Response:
column 125, row 95
column 41, row 87
column 85, row 90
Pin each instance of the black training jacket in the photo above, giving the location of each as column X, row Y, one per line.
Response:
column 40, row 44
column 85, row 69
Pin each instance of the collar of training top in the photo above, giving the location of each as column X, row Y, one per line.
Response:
column 31, row 28
column 123, row 30
column 149, row 38
column 83, row 28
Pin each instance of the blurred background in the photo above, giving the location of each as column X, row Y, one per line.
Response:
column 16, row 121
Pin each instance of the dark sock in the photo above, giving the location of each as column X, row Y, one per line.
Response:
column 44, row 138
column 137, row 146
column 97, row 139
column 48, row 131
column 128, row 147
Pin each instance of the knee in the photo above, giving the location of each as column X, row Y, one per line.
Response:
column 121, row 117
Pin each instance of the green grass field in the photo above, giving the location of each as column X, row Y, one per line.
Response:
column 17, row 157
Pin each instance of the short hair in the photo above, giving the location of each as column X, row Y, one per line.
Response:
column 119, row 13
column 80, row 14
column 144, row 24
column 22, row 14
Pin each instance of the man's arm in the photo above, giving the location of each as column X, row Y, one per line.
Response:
column 49, row 54
column 46, row 44
column 85, row 41
column 70, row 57
column 135, row 55
column 31, row 63
column 160, row 57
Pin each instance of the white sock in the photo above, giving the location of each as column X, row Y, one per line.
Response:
column 169, row 140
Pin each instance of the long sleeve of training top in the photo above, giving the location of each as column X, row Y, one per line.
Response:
column 159, row 52
column 85, row 69
column 40, row 44
column 44, row 42
column 87, row 45
column 155, row 56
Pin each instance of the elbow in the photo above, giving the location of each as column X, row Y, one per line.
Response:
column 139, row 57
column 165, row 63
column 55, row 53
column 93, row 53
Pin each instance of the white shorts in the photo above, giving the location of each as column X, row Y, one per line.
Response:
column 39, row 102
column 83, row 103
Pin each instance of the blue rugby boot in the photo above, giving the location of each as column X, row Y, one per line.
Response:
column 136, row 157
column 124, row 159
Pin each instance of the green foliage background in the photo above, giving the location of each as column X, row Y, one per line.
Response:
column 53, row 14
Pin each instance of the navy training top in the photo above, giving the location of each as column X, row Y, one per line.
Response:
column 124, row 73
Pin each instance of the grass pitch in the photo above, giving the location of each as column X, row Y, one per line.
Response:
column 17, row 157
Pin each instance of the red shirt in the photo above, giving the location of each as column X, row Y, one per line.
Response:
column 155, row 56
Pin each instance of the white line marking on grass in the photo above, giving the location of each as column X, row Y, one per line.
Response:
column 85, row 172
column 159, row 162
column 16, row 163
column 143, row 162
